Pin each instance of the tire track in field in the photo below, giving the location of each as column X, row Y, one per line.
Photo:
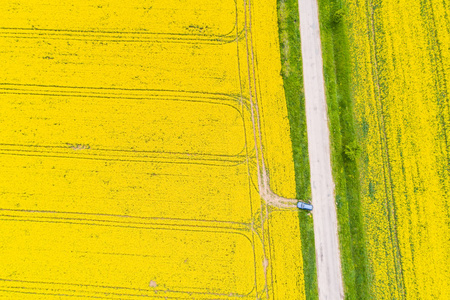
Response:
column 118, row 37
column 140, row 36
column 237, row 103
column 268, row 197
column 265, row 191
column 388, row 181
column 440, row 87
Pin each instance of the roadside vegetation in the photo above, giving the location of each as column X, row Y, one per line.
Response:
column 344, row 147
column 291, row 71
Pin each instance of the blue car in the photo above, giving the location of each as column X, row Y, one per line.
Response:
column 305, row 206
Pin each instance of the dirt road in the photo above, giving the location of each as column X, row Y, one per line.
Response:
column 322, row 186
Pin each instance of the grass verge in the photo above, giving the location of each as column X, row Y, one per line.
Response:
column 344, row 147
column 291, row 59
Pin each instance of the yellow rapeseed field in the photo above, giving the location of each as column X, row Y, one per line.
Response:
column 133, row 139
column 401, row 58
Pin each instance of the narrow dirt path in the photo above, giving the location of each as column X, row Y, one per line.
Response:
column 322, row 185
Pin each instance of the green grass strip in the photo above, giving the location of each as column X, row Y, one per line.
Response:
column 291, row 59
column 344, row 147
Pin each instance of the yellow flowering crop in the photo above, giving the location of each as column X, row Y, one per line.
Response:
column 401, row 58
column 131, row 137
